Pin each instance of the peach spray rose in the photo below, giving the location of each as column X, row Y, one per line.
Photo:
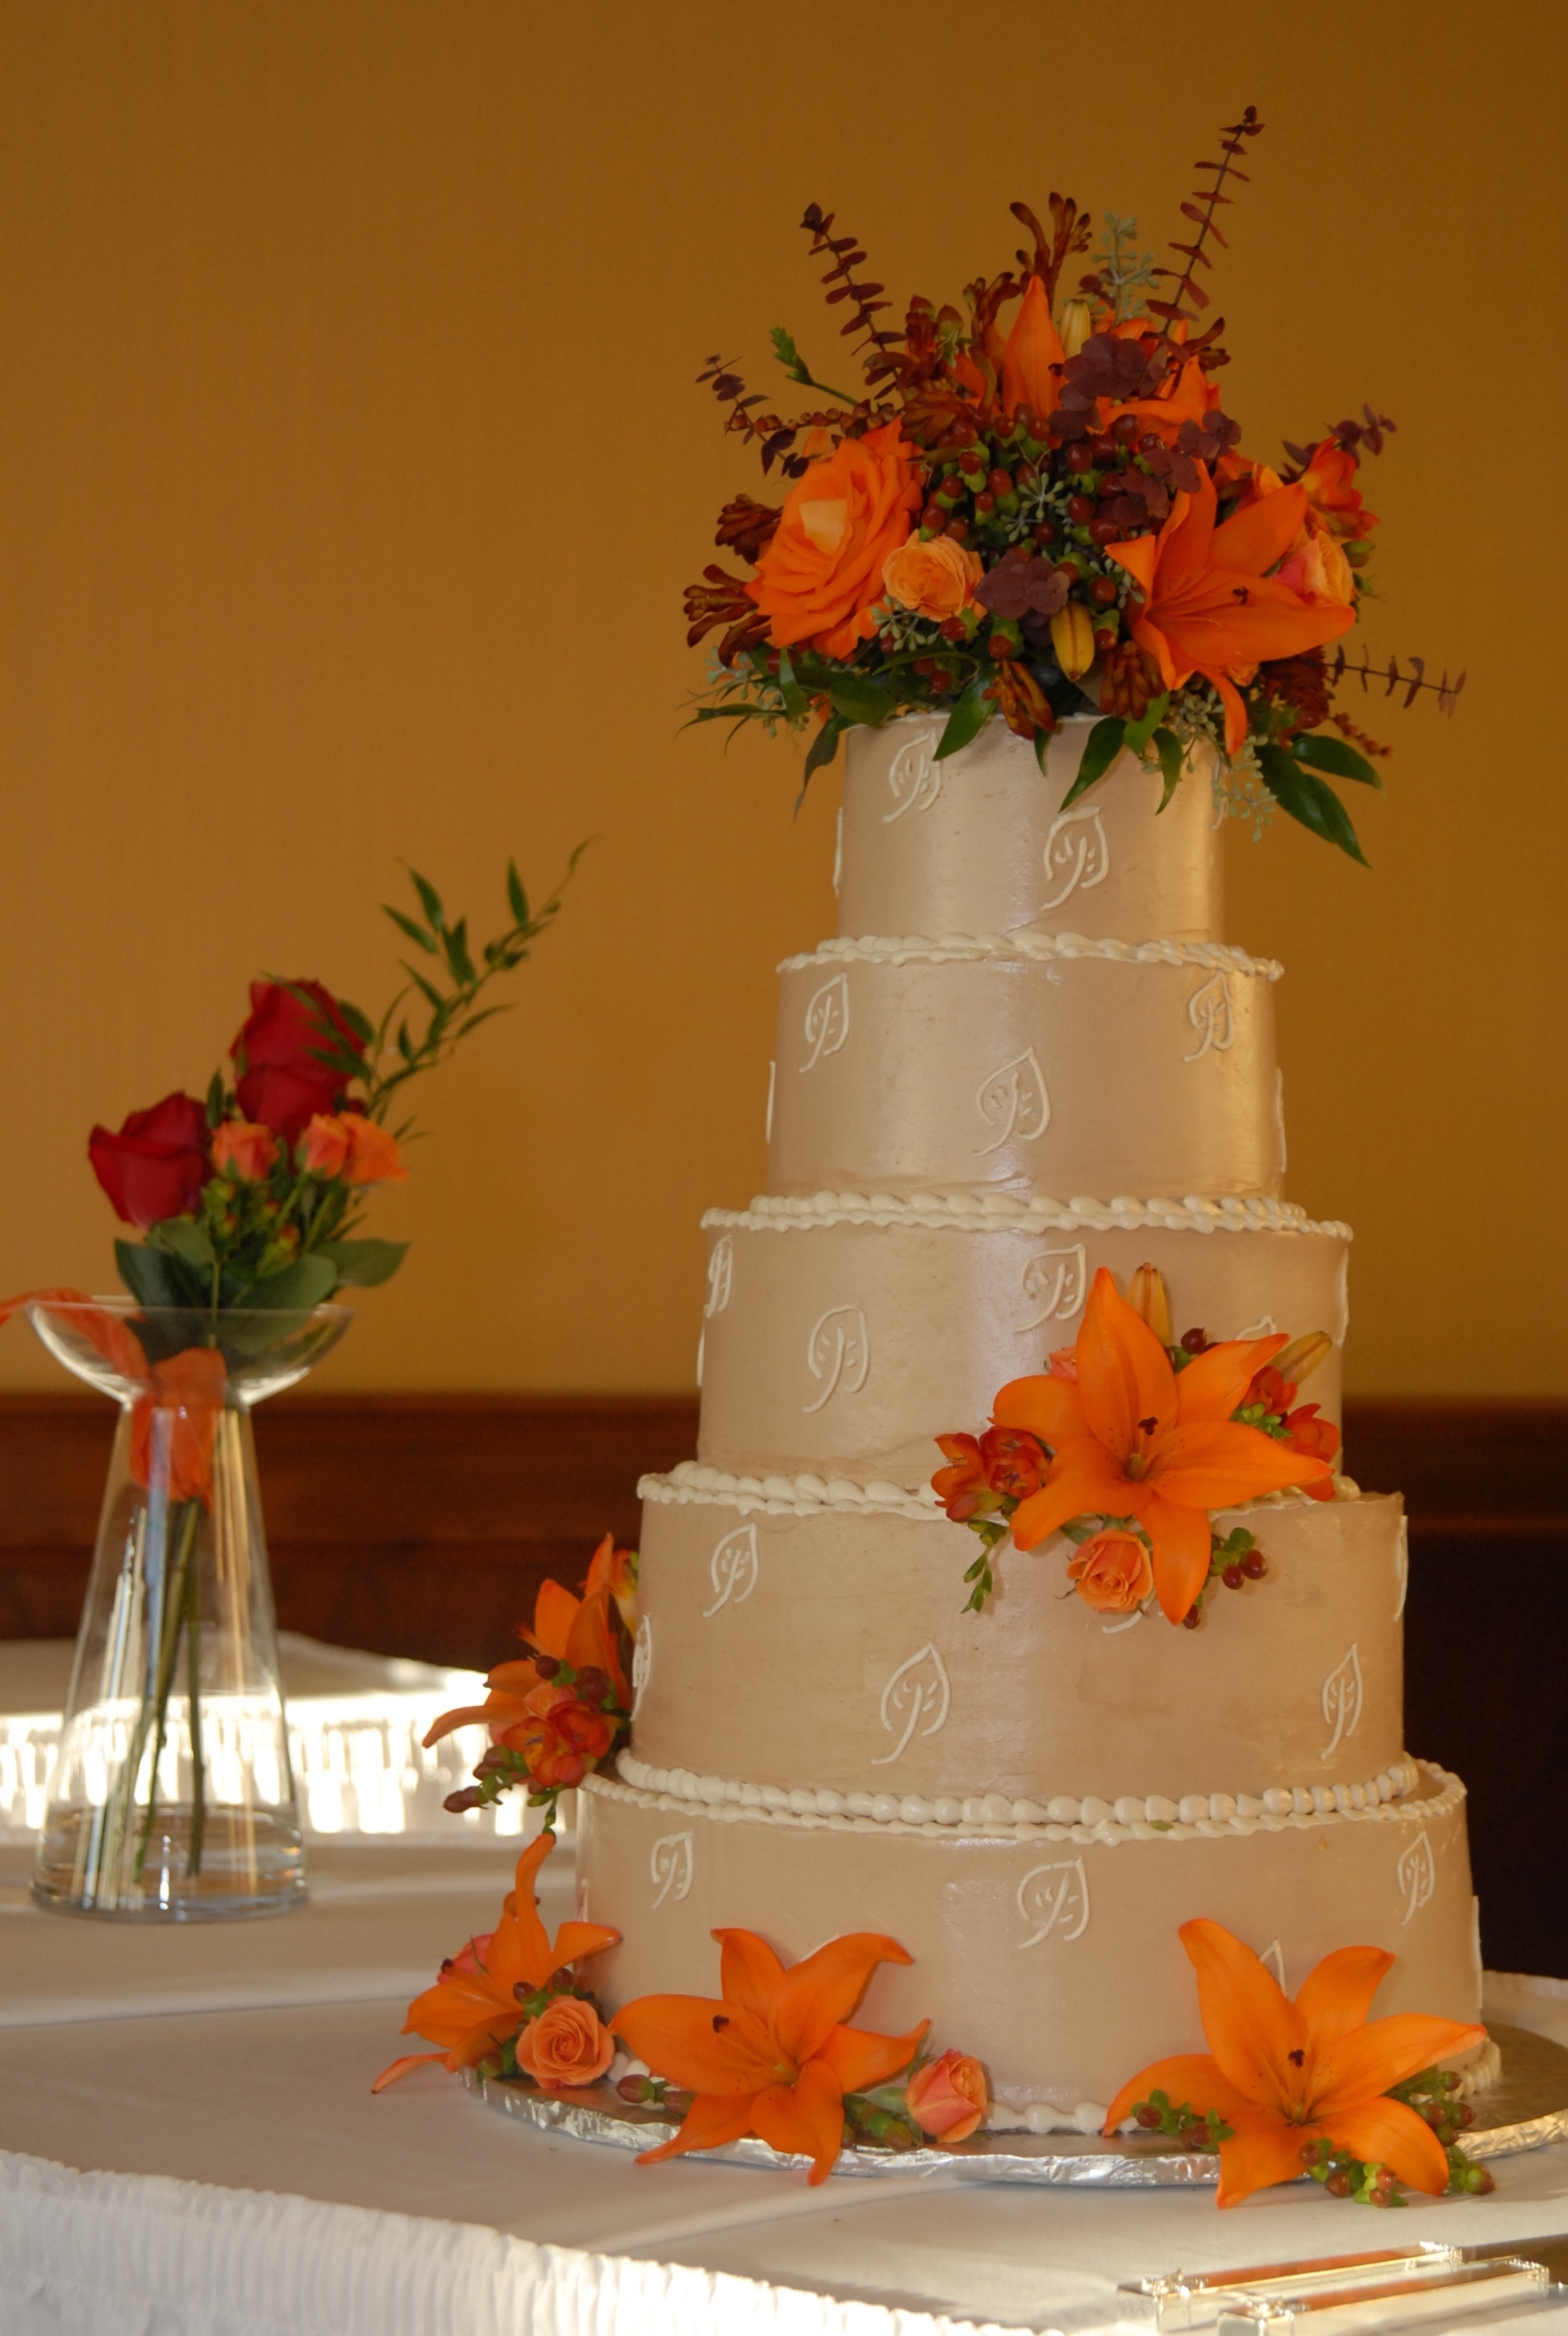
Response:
column 567, row 2044
column 244, row 1149
column 934, row 580
column 947, row 2098
column 1114, row 1572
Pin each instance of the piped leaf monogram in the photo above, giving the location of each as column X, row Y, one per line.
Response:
column 827, row 1023
column 669, row 1864
column 919, row 1691
column 1342, row 1699
column 838, row 1354
column 1078, row 856
column 1014, row 1101
column 1055, row 1282
column 914, row 776
column 642, row 1656
column 720, row 1277
column 1212, row 1017
column 1418, row 1875
column 1054, row 1899
column 733, row 1569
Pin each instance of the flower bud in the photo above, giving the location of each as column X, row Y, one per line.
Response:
column 1303, row 1356
column 1077, row 327
column 1148, row 1297
column 1073, row 639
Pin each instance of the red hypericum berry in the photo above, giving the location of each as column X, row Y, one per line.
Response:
column 1001, row 482
column 985, row 504
column 1111, row 484
column 1191, row 1619
column 1194, row 2136
column 1080, row 509
column 1105, row 451
column 1309, row 2153
column 1148, row 2118
column 933, row 518
column 1045, row 533
column 958, row 530
column 954, row 629
column 1464, row 2114
column 1194, row 1341
column 547, row 1666
column 1232, row 1577
column 1254, row 1565
column 999, row 645
column 1483, row 2182
column 1104, row 530
column 592, row 1686
column 1150, row 442
column 1079, row 455
column 1338, row 2186
column 1103, row 592
column 1126, row 427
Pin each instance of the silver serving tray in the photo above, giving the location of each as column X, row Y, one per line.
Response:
column 1524, row 2110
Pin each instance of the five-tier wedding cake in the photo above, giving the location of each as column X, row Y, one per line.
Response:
column 1030, row 1054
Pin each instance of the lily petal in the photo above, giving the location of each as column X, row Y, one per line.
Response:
column 396, row 2069
column 1252, row 2027
column 1049, row 1407
column 815, row 1995
column 1214, row 1463
column 712, row 2047
column 709, row 2124
column 1391, row 2133
column 573, row 1940
column 1082, row 1482
column 1384, row 2053
column 1125, row 1376
column 1257, row 535
column 749, row 1971
column 807, row 2118
column 1336, row 1995
column 1265, row 2149
column 554, row 1612
column 532, row 1938
column 1193, row 2077
column 1179, row 1546
column 1033, row 347
column 1215, row 1381
column 858, row 2057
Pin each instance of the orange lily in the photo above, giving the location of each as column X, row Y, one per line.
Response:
column 1210, row 605
column 110, row 1333
column 575, row 1630
column 1133, row 1438
column 1286, row 2074
column 773, row 2057
column 476, row 2004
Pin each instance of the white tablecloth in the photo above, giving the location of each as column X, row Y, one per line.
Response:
column 189, row 2147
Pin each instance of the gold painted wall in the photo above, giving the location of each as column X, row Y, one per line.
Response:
column 350, row 469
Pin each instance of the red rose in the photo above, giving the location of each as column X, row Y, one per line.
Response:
column 157, row 1165
column 282, row 1082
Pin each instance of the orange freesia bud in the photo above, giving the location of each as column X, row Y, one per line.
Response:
column 1078, row 324
column 324, row 1147
column 947, row 2099
column 1148, row 1296
column 567, row 2044
column 243, row 1149
column 1073, row 639
column 372, row 1156
column 1114, row 1572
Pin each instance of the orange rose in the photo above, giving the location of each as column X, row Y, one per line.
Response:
column 947, row 2099
column 174, row 1424
column 935, row 580
column 325, row 1146
column 821, row 574
column 1317, row 568
column 372, row 1153
column 244, row 1148
column 567, row 2044
column 1114, row 1572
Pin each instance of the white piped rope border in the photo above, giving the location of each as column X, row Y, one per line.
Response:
column 943, row 948
column 724, row 1799
column 976, row 1211
column 691, row 1484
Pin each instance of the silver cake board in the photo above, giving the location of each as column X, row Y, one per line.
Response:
column 1524, row 2110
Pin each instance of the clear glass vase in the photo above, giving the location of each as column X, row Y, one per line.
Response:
column 172, row 1798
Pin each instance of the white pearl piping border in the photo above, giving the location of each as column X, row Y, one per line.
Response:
column 978, row 1211
column 1384, row 1801
column 942, row 948
column 690, row 1484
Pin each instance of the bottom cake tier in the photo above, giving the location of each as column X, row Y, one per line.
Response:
column 1050, row 1952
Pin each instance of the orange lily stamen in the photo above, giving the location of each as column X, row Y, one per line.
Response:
column 1131, row 1437
column 773, row 2057
column 1284, row 2074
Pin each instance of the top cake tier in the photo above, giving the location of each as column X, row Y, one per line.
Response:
column 980, row 843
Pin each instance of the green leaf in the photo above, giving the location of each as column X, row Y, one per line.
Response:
column 1137, row 734
column 216, row 1099
column 1334, row 755
column 361, row 1264
column 823, row 747
column 516, row 898
column 299, row 1288
column 416, row 933
column 796, row 702
column 154, row 1278
column 859, row 699
column 430, row 900
column 1310, row 800
column 1103, row 746
column 1168, row 748
column 967, row 720
column 179, row 1237
column 457, row 956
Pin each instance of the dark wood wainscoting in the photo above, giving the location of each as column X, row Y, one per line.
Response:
column 423, row 1525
